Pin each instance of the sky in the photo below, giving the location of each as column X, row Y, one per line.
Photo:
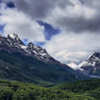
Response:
column 68, row 29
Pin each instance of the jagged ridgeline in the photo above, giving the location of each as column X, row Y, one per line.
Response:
column 91, row 66
column 31, row 63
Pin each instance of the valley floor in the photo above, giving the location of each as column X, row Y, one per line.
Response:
column 80, row 90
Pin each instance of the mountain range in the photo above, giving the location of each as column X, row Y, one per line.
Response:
column 31, row 63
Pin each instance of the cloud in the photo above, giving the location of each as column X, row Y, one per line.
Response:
column 17, row 22
column 73, row 47
column 91, row 3
column 76, row 18
column 38, row 8
column 73, row 15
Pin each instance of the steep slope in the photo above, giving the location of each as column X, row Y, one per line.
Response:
column 91, row 66
column 31, row 63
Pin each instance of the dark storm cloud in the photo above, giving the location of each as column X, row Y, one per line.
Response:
column 35, row 8
column 91, row 3
column 38, row 8
column 80, row 24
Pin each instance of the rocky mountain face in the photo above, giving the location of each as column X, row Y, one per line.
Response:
column 91, row 66
column 14, row 43
column 31, row 63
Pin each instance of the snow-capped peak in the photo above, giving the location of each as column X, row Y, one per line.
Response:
column 86, row 63
column 91, row 66
column 37, row 51
column 13, row 36
column 14, row 43
column 73, row 65
column 14, row 39
column 92, row 60
column 95, row 57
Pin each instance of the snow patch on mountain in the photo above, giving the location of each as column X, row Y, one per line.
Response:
column 73, row 66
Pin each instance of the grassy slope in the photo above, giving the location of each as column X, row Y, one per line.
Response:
column 81, row 90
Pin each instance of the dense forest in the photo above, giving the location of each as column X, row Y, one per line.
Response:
column 80, row 90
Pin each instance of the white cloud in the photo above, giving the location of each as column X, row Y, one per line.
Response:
column 75, row 11
column 73, row 47
column 23, row 25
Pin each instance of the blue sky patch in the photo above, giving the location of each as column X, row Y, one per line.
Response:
column 25, row 41
column 0, row 1
column 39, row 43
column 49, row 30
column 10, row 5
column 36, row 43
column 2, row 28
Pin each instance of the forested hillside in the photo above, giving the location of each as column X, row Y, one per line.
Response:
column 81, row 90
